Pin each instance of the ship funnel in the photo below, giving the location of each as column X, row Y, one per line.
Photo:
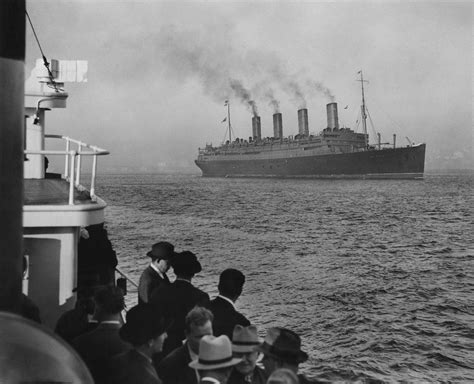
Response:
column 303, row 128
column 277, row 126
column 256, row 128
column 333, row 121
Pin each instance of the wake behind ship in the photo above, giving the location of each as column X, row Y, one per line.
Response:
column 334, row 153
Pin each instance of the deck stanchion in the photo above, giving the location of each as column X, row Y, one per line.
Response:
column 78, row 164
column 94, row 169
column 66, row 167
column 71, row 180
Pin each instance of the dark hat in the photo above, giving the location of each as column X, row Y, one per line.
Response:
column 143, row 324
column 186, row 263
column 283, row 344
column 161, row 250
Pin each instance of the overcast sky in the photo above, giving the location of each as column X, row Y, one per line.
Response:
column 159, row 72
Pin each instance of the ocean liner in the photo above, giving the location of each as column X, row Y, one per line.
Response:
column 336, row 152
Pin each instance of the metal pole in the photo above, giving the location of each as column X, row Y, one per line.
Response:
column 12, row 94
column 364, row 115
column 78, row 165
column 71, row 179
column 94, row 170
column 66, row 167
column 228, row 118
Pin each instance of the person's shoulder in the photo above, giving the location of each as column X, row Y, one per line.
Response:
column 241, row 319
column 173, row 357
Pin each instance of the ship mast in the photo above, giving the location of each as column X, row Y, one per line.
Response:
column 228, row 121
column 363, row 109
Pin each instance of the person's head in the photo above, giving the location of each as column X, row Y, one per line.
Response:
column 283, row 376
column 144, row 329
column 185, row 265
column 161, row 254
column 198, row 323
column 109, row 302
column 215, row 357
column 281, row 349
column 244, row 343
column 85, row 291
column 231, row 283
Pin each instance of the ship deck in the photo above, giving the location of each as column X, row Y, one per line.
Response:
column 52, row 192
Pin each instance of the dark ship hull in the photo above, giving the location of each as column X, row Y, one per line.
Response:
column 391, row 163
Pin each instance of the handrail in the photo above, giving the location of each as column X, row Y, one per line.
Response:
column 126, row 277
column 72, row 167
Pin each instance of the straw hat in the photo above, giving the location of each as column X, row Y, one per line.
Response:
column 245, row 339
column 281, row 343
column 214, row 353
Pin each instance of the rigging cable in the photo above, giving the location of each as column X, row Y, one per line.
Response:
column 45, row 61
column 371, row 122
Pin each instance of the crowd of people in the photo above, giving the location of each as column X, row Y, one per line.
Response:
column 176, row 334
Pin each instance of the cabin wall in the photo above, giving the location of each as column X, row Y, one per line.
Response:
column 52, row 253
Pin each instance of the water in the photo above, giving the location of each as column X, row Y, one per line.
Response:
column 376, row 276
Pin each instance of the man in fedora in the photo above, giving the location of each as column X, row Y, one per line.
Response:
column 102, row 343
column 282, row 349
column 155, row 274
column 231, row 283
column 146, row 332
column 215, row 360
column 179, row 297
column 244, row 343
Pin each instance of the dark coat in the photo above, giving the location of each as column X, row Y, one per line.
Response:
column 174, row 368
column 131, row 368
column 258, row 377
column 176, row 300
column 29, row 309
column 74, row 323
column 226, row 317
column 149, row 281
column 98, row 346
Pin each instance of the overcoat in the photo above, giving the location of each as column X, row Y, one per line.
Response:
column 226, row 317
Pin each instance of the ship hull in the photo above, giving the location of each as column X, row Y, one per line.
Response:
column 394, row 163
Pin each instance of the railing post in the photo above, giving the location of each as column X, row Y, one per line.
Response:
column 66, row 167
column 94, row 169
column 78, row 165
column 71, row 180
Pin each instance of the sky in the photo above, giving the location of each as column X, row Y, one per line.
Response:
column 159, row 73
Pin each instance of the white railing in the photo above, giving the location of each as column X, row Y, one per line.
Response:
column 72, row 167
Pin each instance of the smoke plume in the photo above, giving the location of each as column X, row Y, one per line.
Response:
column 222, row 68
column 243, row 95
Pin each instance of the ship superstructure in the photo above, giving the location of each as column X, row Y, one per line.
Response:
column 56, row 205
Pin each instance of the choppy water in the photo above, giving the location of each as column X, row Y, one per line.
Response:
column 376, row 276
